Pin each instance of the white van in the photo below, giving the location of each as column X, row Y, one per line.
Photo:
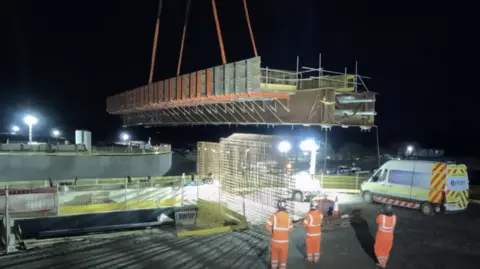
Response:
column 425, row 185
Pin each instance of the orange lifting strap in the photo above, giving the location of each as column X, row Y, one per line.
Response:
column 187, row 11
column 247, row 16
column 219, row 34
column 155, row 37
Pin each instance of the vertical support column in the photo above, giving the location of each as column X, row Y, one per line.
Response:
column 126, row 188
column 57, row 201
column 138, row 190
column 10, row 241
column 182, row 196
column 6, row 222
column 378, row 147
column 313, row 162
column 356, row 181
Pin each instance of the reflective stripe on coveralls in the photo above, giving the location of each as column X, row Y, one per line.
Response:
column 384, row 238
column 313, row 224
column 279, row 225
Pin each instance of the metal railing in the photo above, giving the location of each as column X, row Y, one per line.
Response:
column 350, row 182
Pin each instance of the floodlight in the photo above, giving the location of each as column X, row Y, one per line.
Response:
column 55, row 133
column 308, row 145
column 30, row 120
column 15, row 128
column 409, row 149
column 284, row 146
column 125, row 137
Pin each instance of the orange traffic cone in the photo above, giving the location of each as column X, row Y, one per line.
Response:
column 335, row 207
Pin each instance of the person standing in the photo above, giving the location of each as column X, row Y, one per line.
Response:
column 280, row 225
column 386, row 221
column 313, row 225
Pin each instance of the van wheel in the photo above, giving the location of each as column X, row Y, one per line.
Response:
column 427, row 209
column 367, row 197
column 297, row 196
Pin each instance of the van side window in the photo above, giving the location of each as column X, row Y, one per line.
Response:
column 400, row 177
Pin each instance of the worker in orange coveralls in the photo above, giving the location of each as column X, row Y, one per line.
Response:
column 313, row 224
column 386, row 221
column 280, row 225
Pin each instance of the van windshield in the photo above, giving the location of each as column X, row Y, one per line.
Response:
column 380, row 175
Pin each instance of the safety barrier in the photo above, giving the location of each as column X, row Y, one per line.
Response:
column 327, row 181
column 90, row 181
column 99, row 195
column 81, row 199
column 345, row 184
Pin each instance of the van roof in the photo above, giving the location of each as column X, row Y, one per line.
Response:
column 400, row 162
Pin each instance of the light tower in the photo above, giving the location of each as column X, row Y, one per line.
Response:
column 30, row 121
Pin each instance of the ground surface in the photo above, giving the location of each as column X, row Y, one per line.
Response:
column 442, row 241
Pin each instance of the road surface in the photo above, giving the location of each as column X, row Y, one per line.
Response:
column 439, row 242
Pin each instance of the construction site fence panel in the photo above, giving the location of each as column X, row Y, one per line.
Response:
column 26, row 201
column 121, row 196
column 340, row 183
column 327, row 181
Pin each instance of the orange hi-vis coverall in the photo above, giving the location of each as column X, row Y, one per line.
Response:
column 313, row 223
column 279, row 224
column 384, row 238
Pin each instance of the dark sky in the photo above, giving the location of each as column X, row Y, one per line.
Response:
column 61, row 59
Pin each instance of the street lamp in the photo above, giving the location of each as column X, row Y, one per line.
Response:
column 284, row 147
column 30, row 121
column 312, row 146
column 55, row 133
column 409, row 149
column 125, row 137
column 15, row 129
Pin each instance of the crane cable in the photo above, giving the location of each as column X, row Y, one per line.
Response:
column 219, row 32
column 247, row 16
column 157, row 26
column 187, row 12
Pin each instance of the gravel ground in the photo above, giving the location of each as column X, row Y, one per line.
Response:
column 443, row 241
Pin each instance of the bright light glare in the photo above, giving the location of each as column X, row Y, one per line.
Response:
column 308, row 145
column 55, row 133
column 410, row 149
column 125, row 137
column 30, row 120
column 284, row 146
column 15, row 128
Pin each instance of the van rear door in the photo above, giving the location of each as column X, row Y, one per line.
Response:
column 456, row 188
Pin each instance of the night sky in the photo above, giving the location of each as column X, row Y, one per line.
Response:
column 61, row 59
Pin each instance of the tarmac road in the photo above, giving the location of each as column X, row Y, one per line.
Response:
column 439, row 242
